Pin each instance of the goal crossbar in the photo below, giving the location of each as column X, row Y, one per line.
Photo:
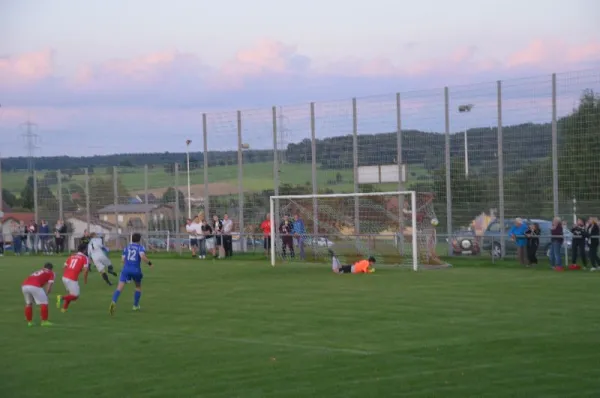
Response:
column 413, row 201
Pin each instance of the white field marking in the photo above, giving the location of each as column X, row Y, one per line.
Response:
column 226, row 339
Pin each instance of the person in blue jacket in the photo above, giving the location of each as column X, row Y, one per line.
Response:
column 517, row 234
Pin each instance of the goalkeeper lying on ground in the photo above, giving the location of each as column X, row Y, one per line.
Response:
column 359, row 267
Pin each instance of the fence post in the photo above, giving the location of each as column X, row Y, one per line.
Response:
column 500, row 151
column 177, row 215
column 240, row 180
column 205, row 141
column 448, row 175
column 87, row 198
column 400, row 240
column 355, row 167
column 60, row 195
column 35, row 197
column 555, row 198
column 275, row 165
column 116, row 204
column 313, row 167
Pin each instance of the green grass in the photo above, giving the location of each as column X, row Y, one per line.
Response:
column 257, row 177
column 244, row 329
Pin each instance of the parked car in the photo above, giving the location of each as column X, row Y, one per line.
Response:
column 320, row 242
column 464, row 242
column 492, row 238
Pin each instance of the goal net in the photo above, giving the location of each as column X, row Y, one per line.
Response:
column 353, row 226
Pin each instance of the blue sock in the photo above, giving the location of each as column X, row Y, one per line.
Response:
column 136, row 298
column 116, row 295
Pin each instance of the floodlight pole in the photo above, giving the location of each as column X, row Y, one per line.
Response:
column 189, row 185
column 466, row 108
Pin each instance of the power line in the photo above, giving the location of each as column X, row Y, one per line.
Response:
column 31, row 140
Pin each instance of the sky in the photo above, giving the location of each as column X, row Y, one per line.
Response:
column 137, row 76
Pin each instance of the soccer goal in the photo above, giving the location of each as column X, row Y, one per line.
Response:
column 354, row 226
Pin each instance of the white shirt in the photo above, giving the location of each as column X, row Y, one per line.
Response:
column 95, row 246
column 227, row 226
column 198, row 228
column 193, row 229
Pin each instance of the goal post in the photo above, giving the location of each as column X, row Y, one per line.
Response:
column 378, row 226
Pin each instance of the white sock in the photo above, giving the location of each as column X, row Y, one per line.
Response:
column 335, row 264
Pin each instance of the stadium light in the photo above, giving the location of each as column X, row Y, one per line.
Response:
column 245, row 147
column 189, row 185
column 466, row 108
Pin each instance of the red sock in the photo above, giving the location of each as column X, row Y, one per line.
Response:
column 44, row 312
column 68, row 299
column 28, row 313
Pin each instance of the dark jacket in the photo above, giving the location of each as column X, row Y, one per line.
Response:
column 593, row 232
column 286, row 228
column 207, row 230
column 533, row 237
column 579, row 233
column 557, row 234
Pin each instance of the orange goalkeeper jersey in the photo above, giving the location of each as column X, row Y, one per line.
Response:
column 361, row 267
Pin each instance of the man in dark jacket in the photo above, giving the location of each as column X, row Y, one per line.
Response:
column 556, row 242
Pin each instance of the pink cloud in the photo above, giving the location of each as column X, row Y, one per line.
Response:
column 26, row 67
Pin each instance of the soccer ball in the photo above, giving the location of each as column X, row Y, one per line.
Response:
column 434, row 222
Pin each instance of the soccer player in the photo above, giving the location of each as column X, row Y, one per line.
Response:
column 36, row 288
column 85, row 239
column 73, row 266
column 97, row 251
column 359, row 267
column 265, row 226
column 133, row 255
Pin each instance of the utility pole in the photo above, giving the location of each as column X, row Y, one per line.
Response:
column 31, row 140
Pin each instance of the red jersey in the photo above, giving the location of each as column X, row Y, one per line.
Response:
column 266, row 227
column 39, row 278
column 74, row 265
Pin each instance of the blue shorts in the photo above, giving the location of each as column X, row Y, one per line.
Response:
column 131, row 275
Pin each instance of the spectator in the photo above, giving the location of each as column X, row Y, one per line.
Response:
column 533, row 242
column 191, row 228
column 594, row 237
column 299, row 233
column 218, row 231
column 44, row 233
column 23, row 232
column 32, row 232
column 579, row 232
column 517, row 234
column 265, row 226
column 1, row 242
column 209, row 241
column 227, row 238
column 286, row 229
column 17, row 240
column 556, row 242
column 60, row 232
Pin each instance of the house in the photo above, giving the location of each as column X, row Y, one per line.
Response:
column 135, row 216
column 11, row 220
column 79, row 224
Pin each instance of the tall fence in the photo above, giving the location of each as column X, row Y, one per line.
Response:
column 488, row 152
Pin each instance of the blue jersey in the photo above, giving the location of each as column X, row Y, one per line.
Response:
column 133, row 257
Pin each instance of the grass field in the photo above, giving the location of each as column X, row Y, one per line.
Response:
column 243, row 329
column 257, row 177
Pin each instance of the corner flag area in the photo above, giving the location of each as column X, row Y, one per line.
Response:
column 241, row 328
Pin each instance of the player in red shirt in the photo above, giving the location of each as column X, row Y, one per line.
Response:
column 36, row 288
column 73, row 266
column 265, row 226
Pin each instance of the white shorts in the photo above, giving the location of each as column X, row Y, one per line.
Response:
column 100, row 261
column 34, row 293
column 71, row 286
column 210, row 243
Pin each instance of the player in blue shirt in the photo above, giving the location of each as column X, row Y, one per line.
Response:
column 133, row 255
